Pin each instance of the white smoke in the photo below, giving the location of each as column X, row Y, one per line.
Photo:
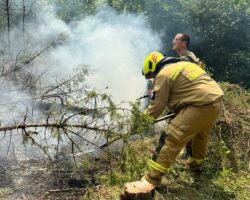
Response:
column 113, row 44
column 13, row 103
column 116, row 46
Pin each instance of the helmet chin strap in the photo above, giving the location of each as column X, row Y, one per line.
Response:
column 150, row 75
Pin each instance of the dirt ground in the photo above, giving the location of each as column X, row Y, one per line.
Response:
column 33, row 180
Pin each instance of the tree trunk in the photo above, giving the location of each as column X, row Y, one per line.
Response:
column 137, row 191
column 8, row 22
column 24, row 13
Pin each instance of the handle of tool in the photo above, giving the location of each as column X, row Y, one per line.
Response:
column 145, row 96
column 165, row 117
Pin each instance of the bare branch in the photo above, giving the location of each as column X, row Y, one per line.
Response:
column 22, row 63
column 51, row 125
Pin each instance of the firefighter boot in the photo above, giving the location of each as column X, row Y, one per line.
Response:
column 194, row 165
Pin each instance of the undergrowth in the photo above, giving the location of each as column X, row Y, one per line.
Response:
column 226, row 169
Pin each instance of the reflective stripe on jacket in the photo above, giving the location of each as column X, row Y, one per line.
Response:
column 181, row 84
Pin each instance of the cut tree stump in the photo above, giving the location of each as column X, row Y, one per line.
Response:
column 138, row 190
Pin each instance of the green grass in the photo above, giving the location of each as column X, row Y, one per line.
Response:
column 226, row 174
column 178, row 183
column 4, row 192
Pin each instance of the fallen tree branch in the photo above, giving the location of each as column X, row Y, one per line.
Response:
column 119, row 137
column 51, row 125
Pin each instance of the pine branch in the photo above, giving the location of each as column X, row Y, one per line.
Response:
column 52, row 125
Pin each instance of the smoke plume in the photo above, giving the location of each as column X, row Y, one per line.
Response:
column 112, row 45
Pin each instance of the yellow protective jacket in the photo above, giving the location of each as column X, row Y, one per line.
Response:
column 182, row 84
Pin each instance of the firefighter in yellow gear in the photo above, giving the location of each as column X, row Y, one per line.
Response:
column 195, row 98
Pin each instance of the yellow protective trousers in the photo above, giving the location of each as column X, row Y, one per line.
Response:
column 191, row 123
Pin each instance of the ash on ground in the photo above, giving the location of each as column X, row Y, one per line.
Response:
column 39, row 179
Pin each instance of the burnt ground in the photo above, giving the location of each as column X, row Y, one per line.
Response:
column 35, row 179
column 20, row 180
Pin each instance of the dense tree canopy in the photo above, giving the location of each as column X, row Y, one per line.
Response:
column 222, row 28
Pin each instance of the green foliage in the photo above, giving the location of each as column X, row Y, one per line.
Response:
column 131, row 124
column 139, row 122
column 74, row 9
column 219, row 33
column 234, row 183
column 222, row 32
column 135, row 6
column 225, row 172
column 5, row 191
column 230, row 139
column 131, row 165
